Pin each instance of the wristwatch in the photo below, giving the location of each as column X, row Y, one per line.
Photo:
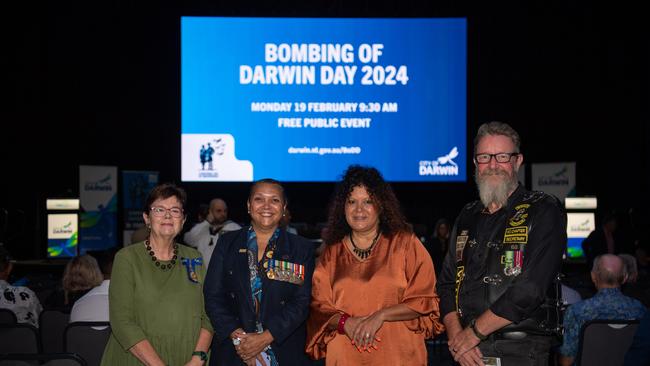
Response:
column 201, row 354
column 478, row 334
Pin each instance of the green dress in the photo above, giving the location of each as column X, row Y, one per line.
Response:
column 163, row 306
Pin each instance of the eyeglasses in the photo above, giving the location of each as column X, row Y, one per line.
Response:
column 500, row 157
column 161, row 211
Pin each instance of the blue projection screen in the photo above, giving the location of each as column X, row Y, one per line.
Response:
column 301, row 99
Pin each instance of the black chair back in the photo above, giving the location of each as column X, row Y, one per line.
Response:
column 19, row 338
column 44, row 359
column 605, row 342
column 87, row 339
column 52, row 325
column 7, row 317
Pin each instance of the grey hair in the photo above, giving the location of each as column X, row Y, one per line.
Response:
column 498, row 128
column 630, row 264
column 606, row 275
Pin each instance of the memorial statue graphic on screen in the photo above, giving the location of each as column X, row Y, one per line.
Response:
column 217, row 160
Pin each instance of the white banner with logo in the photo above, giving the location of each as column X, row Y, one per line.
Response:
column 62, row 234
column 558, row 179
column 98, row 195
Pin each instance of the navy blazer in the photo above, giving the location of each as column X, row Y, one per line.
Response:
column 284, row 308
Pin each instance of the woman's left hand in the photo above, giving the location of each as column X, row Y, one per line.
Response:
column 252, row 344
column 365, row 334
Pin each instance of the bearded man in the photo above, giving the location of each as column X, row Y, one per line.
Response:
column 505, row 252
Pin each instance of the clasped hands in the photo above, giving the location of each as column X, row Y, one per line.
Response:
column 251, row 345
column 463, row 345
column 362, row 331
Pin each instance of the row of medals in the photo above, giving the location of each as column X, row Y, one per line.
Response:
column 278, row 273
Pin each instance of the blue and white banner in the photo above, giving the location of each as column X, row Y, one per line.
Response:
column 136, row 187
column 301, row 99
column 98, row 219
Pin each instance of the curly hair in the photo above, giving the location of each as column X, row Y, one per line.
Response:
column 391, row 218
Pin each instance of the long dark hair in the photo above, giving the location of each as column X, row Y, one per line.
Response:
column 391, row 218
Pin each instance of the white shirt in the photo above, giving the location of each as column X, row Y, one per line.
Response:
column 201, row 238
column 22, row 301
column 93, row 306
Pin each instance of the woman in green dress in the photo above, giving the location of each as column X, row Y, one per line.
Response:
column 156, row 293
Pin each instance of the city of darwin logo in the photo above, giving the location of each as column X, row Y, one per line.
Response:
column 443, row 165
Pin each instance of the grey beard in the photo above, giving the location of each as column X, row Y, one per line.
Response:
column 495, row 193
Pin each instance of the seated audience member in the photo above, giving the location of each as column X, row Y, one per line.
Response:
column 633, row 287
column 608, row 274
column 21, row 300
column 205, row 234
column 630, row 267
column 81, row 274
column 639, row 352
column 93, row 306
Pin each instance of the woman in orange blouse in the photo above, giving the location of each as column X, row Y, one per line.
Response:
column 373, row 295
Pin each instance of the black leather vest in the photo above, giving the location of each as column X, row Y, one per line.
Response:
column 490, row 249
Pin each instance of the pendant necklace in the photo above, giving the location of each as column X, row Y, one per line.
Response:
column 364, row 253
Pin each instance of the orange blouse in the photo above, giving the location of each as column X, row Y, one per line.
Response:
column 398, row 271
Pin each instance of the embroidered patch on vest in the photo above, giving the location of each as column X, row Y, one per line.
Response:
column 516, row 235
column 461, row 240
column 520, row 216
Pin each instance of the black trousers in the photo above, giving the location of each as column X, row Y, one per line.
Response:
column 529, row 351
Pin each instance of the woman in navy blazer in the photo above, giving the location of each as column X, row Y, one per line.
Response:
column 258, row 287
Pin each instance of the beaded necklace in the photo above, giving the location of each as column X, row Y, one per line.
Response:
column 364, row 253
column 156, row 261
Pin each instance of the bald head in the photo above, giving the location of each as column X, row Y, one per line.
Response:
column 608, row 271
column 218, row 211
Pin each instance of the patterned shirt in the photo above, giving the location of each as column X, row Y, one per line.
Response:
column 22, row 301
column 608, row 303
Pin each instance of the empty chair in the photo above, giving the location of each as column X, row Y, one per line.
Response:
column 52, row 325
column 604, row 342
column 87, row 339
column 48, row 359
column 7, row 317
column 19, row 338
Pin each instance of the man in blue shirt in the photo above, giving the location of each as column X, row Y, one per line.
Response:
column 608, row 274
